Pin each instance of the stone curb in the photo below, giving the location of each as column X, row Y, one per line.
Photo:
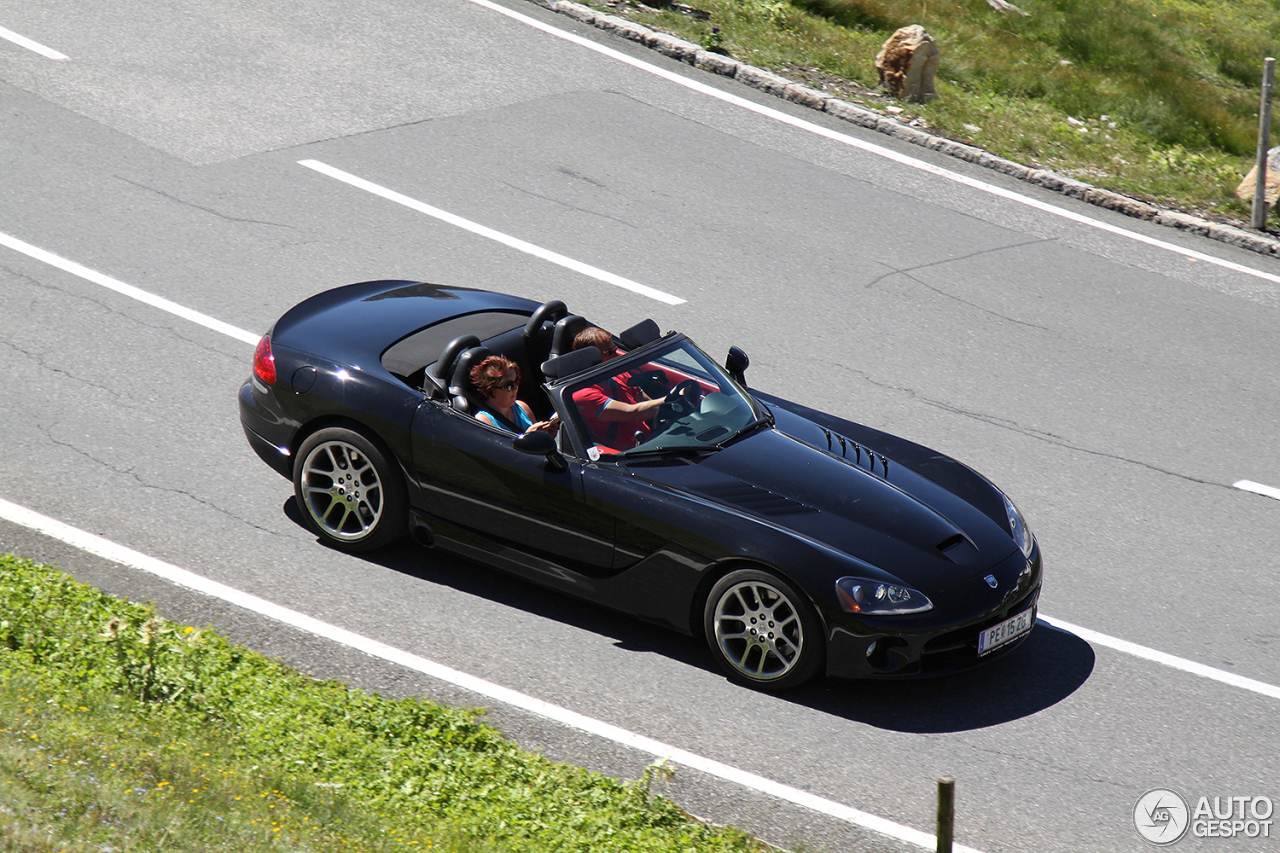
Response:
column 781, row 87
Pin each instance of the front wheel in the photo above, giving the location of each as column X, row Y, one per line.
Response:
column 762, row 631
column 350, row 493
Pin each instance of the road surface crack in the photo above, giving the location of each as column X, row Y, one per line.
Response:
column 130, row 473
column 204, row 209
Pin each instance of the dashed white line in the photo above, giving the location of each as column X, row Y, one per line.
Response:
column 23, row 41
column 109, row 550
column 1188, row 666
column 127, row 289
column 484, row 231
column 1258, row 488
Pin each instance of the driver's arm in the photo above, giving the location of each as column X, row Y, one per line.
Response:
column 616, row 410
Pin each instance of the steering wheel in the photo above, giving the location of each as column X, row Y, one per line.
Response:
column 654, row 383
column 682, row 400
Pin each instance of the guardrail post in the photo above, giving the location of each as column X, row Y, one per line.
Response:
column 1264, row 142
column 946, row 812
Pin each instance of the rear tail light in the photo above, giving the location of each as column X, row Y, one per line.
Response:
column 264, row 363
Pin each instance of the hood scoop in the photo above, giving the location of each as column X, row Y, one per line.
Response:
column 958, row 549
column 755, row 499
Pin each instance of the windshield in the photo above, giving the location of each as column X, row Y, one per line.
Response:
column 672, row 399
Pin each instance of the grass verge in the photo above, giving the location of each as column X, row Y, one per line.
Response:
column 122, row 731
column 1154, row 99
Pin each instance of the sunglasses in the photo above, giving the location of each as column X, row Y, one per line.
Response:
column 505, row 386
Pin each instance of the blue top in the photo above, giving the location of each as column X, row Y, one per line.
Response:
column 523, row 421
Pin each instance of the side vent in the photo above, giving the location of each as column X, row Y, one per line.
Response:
column 854, row 453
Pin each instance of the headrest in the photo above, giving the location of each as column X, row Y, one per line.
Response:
column 463, row 394
column 547, row 312
column 571, row 363
column 465, row 364
column 646, row 331
column 442, row 370
column 566, row 330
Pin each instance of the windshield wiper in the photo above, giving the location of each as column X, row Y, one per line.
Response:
column 764, row 420
column 670, row 448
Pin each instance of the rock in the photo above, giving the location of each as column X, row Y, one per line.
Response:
column 907, row 64
column 1002, row 6
column 710, row 60
column 1271, row 190
column 676, row 48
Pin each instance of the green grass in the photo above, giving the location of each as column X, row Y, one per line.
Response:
column 122, row 731
column 1155, row 99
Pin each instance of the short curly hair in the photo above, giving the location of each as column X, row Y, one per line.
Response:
column 594, row 336
column 488, row 373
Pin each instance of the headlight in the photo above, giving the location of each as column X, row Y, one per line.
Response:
column 860, row 595
column 1018, row 527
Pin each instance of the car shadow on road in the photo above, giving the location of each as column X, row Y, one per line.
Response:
column 473, row 578
column 1047, row 668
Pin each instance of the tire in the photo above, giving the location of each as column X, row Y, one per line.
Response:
column 351, row 495
column 762, row 631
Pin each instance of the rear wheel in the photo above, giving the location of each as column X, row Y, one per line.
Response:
column 763, row 631
column 350, row 492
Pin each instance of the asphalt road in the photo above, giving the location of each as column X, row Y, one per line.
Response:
column 1116, row 388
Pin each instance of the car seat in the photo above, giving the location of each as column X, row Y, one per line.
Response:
column 566, row 330
column 540, row 329
column 463, row 395
column 441, row 373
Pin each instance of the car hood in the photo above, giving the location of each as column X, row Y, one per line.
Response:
column 877, row 510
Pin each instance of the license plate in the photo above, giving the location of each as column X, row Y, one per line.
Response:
column 1007, row 631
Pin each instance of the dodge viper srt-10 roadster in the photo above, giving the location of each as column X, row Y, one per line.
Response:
column 794, row 542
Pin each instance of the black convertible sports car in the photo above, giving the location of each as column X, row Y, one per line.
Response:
column 794, row 541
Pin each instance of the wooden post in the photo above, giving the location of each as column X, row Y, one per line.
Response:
column 1264, row 143
column 946, row 812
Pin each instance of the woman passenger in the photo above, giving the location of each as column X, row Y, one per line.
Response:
column 497, row 378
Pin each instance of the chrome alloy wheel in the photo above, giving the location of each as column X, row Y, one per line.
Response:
column 758, row 630
column 341, row 490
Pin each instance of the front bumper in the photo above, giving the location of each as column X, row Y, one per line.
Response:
column 917, row 653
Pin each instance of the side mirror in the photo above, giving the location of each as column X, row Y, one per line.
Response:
column 737, row 364
column 541, row 444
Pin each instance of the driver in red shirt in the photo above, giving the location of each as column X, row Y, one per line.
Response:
column 616, row 414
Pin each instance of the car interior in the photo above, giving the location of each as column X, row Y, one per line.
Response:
column 438, row 360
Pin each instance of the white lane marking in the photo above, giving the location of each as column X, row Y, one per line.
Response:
column 23, row 41
column 116, row 553
column 1258, row 488
column 483, row 231
column 127, row 290
column 1189, row 666
column 869, row 147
